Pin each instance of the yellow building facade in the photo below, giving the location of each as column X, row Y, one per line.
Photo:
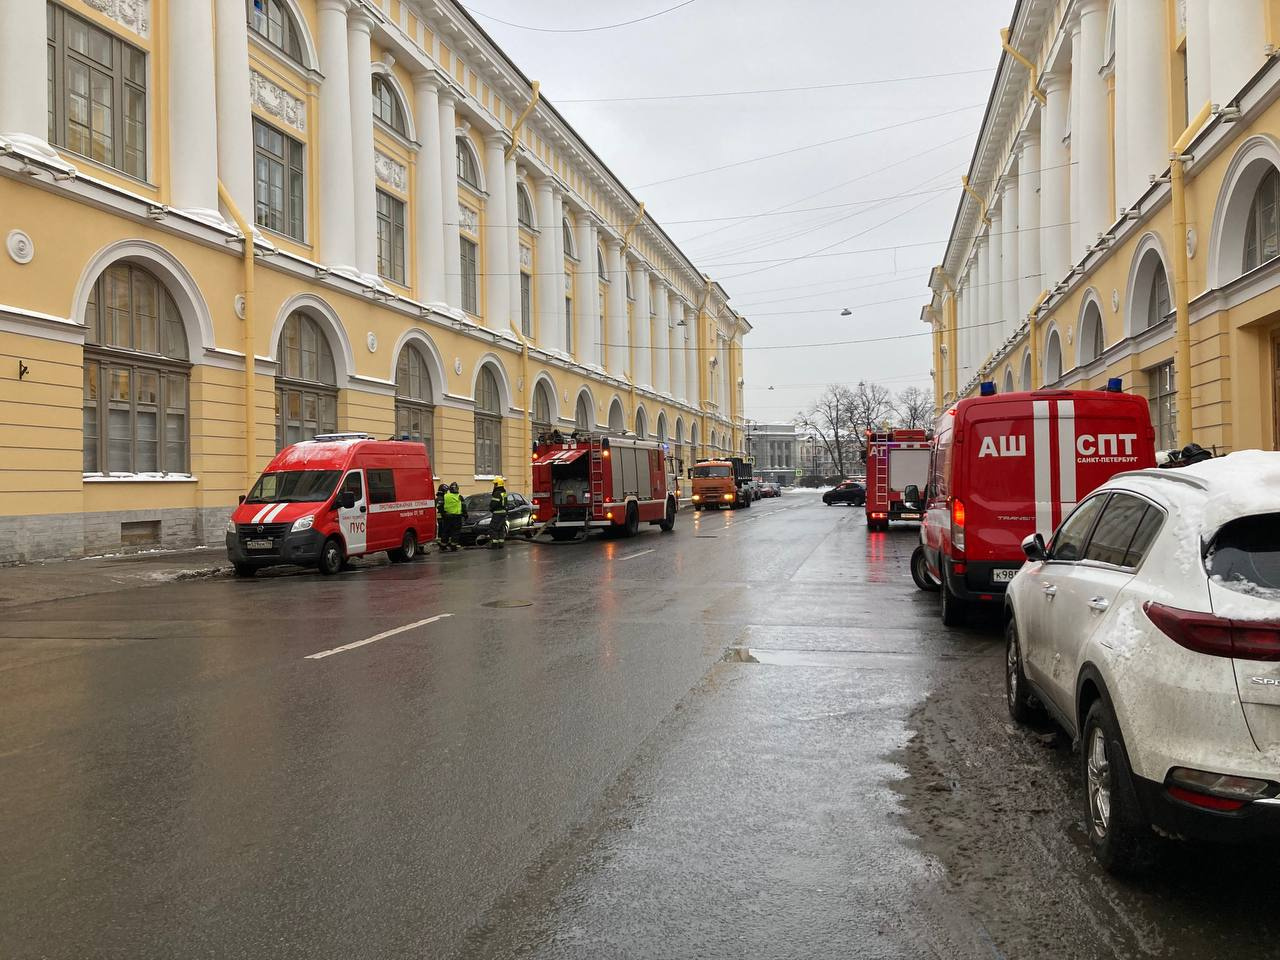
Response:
column 1121, row 217
column 266, row 219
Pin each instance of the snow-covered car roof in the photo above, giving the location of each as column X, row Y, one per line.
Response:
column 1213, row 492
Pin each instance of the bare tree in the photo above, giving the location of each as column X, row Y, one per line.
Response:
column 914, row 408
column 830, row 420
column 871, row 409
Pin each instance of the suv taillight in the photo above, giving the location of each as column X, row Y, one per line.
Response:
column 957, row 526
column 1216, row 636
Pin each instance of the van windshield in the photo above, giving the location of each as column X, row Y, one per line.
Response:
column 1245, row 555
column 294, row 486
column 711, row 472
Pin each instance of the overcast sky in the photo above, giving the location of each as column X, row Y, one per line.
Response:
column 888, row 196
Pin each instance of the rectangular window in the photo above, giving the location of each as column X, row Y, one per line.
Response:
column 135, row 419
column 488, row 445
column 390, row 237
column 97, row 88
column 1164, row 405
column 382, row 486
column 526, row 304
column 277, row 181
column 470, row 294
column 568, row 325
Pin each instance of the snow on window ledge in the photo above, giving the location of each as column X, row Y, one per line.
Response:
column 139, row 478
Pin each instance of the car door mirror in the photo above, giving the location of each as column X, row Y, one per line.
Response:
column 911, row 494
column 242, row 498
column 1033, row 547
column 346, row 500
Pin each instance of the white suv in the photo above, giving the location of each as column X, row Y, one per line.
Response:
column 1149, row 629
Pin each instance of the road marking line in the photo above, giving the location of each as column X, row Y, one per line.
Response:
column 375, row 638
column 632, row 556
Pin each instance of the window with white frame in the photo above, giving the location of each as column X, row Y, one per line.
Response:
column 469, row 253
column 391, row 241
column 524, row 207
column 273, row 22
column 488, row 417
column 1262, row 233
column 1164, row 405
column 1158, row 302
column 279, row 182
column 387, row 106
column 306, row 382
column 415, row 412
column 468, row 164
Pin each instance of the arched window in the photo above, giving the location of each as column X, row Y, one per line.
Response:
column 524, row 207
column 306, row 385
column 135, row 376
column 488, row 414
column 569, row 249
column 600, row 268
column 662, row 428
column 1053, row 360
column 274, row 23
column 541, row 410
column 415, row 413
column 582, row 416
column 468, row 165
column 387, row 106
column 1093, row 338
column 626, row 275
column 1262, row 234
column 1158, row 303
column 1026, row 371
column 1008, row 380
column 616, row 422
column 642, row 425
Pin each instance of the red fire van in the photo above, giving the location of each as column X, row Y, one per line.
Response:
column 338, row 496
column 1006, row 466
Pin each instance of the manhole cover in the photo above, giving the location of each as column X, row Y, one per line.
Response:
column 509, row 603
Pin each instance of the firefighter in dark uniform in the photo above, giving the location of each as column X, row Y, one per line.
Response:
column 498, row 514
column 452, row 507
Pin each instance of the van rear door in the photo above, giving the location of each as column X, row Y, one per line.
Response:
column 996, row 480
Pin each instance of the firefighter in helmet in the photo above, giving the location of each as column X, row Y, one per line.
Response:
column 498, row 514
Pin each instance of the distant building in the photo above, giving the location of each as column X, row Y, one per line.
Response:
column 773, row 448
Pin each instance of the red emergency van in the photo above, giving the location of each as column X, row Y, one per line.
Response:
column 338, row 496
column 1006, row 466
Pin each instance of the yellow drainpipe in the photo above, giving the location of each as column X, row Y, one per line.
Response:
column 1031, row 67
column 626, row 236
column 1182, row 271
column 527, row 430
column 1031, row 335
column 515, row 130
column 950, row 318
column 250, row 397
column 982, row 204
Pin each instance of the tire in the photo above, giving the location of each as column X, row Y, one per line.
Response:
column 562, row 536
column 954, row 610
column 697, row 508
column 829, row 503
column 1120, row 837
column 331, row 557
column 244, row 570
column 1018, row 696
column 920, row 571
column 632, row 525
column 408, row 549
column 668, row 522
column 747, row 503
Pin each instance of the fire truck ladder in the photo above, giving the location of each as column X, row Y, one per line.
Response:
column 881, row 476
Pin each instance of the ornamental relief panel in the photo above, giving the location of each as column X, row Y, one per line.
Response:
column 390, row 172
column 276, row 101
column 468, row 219
column 132, row 14
column 526, row 256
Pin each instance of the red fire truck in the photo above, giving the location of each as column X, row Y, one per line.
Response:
column 896, row 459
column 615, row 483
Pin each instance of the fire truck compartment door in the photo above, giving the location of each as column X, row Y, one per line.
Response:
column 561, row 456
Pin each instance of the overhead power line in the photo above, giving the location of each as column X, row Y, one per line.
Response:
column 606, row 26
column 756, row 93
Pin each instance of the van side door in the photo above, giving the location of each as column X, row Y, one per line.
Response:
column 386, row 524
column 354, row 520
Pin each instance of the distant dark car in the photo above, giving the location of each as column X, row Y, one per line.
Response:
column 771, row 490
column 476, row 526
column 854, row 494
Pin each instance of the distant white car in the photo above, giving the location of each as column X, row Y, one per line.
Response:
column 1149, row 629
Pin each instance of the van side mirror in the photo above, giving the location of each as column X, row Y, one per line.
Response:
column 346, row 500
column 911, row 493
column 242, row 498
column 1033, row 547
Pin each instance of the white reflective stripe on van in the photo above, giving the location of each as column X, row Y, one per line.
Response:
column 1066, row 456
column 1044, row 489
column 402, row 505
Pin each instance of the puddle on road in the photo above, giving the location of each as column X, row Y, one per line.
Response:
column 861, row 659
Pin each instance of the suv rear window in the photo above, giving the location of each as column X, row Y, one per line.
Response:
column 1245, row 555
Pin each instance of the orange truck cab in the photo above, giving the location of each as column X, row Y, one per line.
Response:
column 715, row 485
column 338, row 496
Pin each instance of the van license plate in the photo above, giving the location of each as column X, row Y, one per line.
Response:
column 1002, row 576
column 257, row 544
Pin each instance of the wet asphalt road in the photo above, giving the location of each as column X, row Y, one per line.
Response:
column 722, row 742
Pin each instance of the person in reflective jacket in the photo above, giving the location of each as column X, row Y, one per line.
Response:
column 498, row 514
column 452, row 507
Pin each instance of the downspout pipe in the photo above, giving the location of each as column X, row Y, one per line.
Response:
column 248, row 338
column 626, row 236
column 950, row 317
column 1031, row 67
column 1032, row 317
column 527, row 400
column 1182, row 270
column 982, row 204
column 536, row 88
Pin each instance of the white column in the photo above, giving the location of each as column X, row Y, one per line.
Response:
column 982, row 301
column 616, row 332
column 235, row 121
column 675, row 313
column 1090, row 137
column 497, row 286
column 994, row 321
column 1237, row 42
column 1030, row 281
column 24, row 106
column 448, row 126
column 964, row 315
column 561, row 289
column 513, row 243
column 1009, row 260
column 1055, row 258
column 1073, row 124
column 661, row 353
column 193, row 115
column 1198, row 53
column 337, row 174
column 586, row 298
column 1142, row 115
column 364, row 180
column 692, row 383
column 641, row 341
column 548, row 275
column 428, row 210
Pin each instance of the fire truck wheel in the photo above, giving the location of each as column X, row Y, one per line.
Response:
column 408, row 549
column 633, row 521
column 668, row 522
column 953, row 608
column 920, row 571
column 331, row 558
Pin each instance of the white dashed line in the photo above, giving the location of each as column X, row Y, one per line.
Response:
column 632, row 556
column 376, row 637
